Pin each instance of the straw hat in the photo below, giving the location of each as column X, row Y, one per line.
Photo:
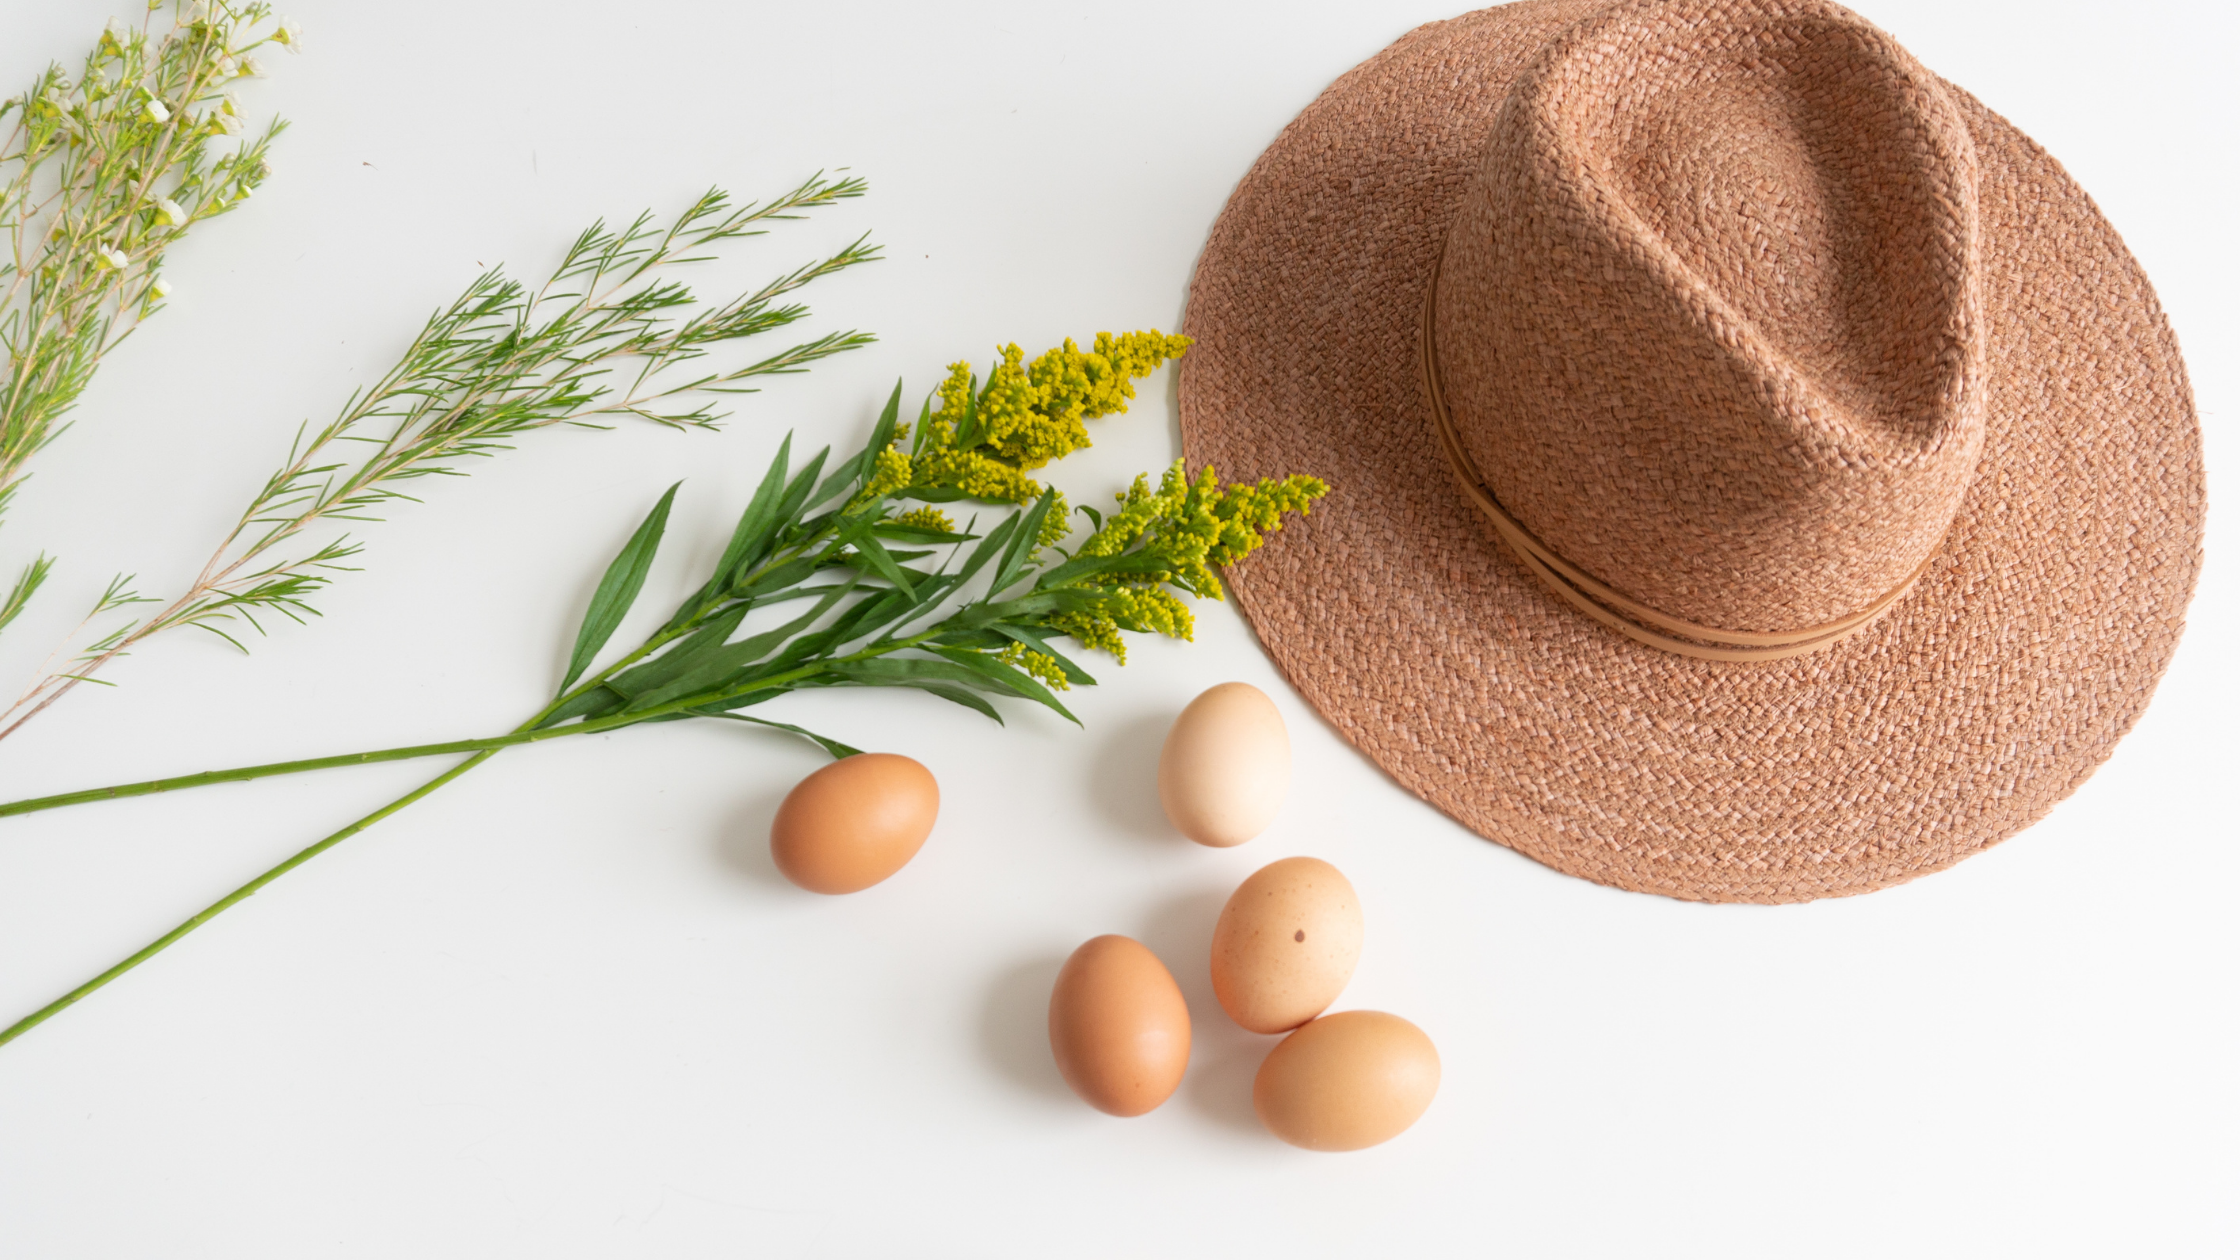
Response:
column 1761, row 474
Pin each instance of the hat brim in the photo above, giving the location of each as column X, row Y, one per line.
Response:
column 2027, row 650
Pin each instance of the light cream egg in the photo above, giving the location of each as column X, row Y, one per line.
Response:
column 1226, row 766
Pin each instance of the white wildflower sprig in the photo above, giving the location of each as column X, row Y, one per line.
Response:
column 100, row 172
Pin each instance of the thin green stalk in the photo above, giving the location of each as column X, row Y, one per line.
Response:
column 526, row 734
column 215, row 908
column 483, row 750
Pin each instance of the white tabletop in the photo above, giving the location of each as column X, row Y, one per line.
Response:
column 567, row 1008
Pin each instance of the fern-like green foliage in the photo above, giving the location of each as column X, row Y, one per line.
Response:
column 607, row 334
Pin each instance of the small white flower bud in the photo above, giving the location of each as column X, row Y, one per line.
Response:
column 252, row 68
column 227, row 67
column 171, row 212
column 157, row 112
column 161, row 288
column 226, row 123
column 112, row 257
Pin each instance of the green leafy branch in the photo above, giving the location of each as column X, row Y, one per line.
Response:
column 872, row 594
column 603, row 336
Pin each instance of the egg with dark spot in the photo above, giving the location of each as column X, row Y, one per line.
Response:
column 1286, row 944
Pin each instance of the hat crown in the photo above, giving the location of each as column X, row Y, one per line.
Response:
column 1708, row 317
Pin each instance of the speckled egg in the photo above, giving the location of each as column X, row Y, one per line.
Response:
column 1286, row 944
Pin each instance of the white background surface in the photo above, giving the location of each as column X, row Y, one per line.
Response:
column 566, row 1007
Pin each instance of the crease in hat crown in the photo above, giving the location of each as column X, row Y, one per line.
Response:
column 1708, row 324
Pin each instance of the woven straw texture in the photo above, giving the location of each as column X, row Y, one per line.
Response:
column 1921, row 338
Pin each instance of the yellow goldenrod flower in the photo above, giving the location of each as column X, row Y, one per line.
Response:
column 927, row 518
column 1037, row 665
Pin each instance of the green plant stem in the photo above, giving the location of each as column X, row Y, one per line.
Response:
column 242, row 774
column 215, row 908
column 524, row 734
column 483, row 750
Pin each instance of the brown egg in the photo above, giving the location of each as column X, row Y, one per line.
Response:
column 1347, row 1081
column 854, row 823
column 1225, row 766
column 1118, row 1026
column 1286, row 944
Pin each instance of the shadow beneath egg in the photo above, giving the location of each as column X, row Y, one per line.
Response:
column 1124, row 787
column 1220, row 1083
column 742, row 843
column 1015, row 1028
column 1223, row 1057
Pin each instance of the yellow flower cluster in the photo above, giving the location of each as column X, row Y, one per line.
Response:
column 1039, row 665
column 1027, row 415
column 1143, row 609
column 1190, row 527
column 1032, row 413
column 890, row 471
column 927, row 518
column 975, row 475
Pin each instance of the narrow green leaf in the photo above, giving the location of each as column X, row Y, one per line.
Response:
column 27, row 584
column 779, row 578
column 850, row 474
column 1017, row 680
column 797, row 493
column 958, row 695
column 935, row 494
column 918, row 433
column 917, row 534
column 871, row 549
column 932, row 670
column 839, row 751
column 750, row 540
column 1017, row 555
column 946, row 690
column 617, row 590
column 596, row 702
column 712, row 668
column 1074, row 570
column 642, row 678
column 1072, row 599
column 990, row 546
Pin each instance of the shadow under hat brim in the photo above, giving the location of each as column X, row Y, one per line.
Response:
column 2032, row 644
